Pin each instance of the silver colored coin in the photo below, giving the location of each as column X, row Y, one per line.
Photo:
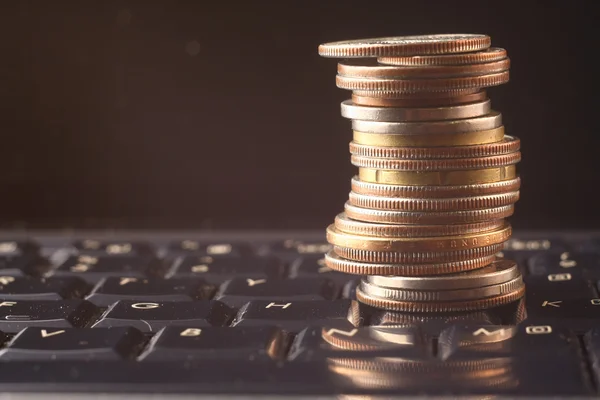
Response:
column 397, row 114
column 441, row 295
column 405, row 45
column 498, row 272
column 490, row 121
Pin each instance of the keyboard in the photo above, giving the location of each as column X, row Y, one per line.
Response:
column 258, row 314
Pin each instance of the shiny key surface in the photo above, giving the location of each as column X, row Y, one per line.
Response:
column 257, row 317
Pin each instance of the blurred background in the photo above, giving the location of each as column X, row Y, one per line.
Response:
column 190, row 114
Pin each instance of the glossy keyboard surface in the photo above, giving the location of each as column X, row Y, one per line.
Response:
column 259, row 314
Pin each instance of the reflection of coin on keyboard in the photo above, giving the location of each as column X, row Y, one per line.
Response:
column 436, row 174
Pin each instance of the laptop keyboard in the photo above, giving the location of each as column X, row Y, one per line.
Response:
column 268, row 317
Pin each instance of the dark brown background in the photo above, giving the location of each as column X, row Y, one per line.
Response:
column 193, row 114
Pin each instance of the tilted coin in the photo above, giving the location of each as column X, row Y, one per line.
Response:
column 436, row 164
column 370, row 69
column 429, row 191
column 405, row 45
column 411, row 217
column 485, row 122
column 484, row 56
column 441, row 243
column 430, row 139
column 449, row 306
column 435, row 205
column 345, row 224
column 421, row 85
column 453, row 99
column 462, row 177
column 499, row 271
column 337, row 263
column 471, row 110
column 476, row 293
column 509, row 144
column 417, row 257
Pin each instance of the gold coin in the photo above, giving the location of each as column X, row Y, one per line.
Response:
column 427, row 218
column 337, row 263
column 345, row 224
column 427, row 191
column 418, row 257
column 421, row 85
column 441, row 243
column 463, row 177
column 419, row 102
column 371, row 69
column 436, row 164
column 430, row 139
column 509, row 144
column 435, row 205
column 485, row 56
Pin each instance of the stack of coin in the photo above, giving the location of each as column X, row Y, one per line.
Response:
column 436, row 174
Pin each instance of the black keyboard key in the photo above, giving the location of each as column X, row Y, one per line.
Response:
column 464, row 341
column 237, row 292
column 111, row 290
column 241, row 343
column 565, row 285
column 3, row 338
column 17, row 315
column 18, row 258
column 313, row 266
column 578, row 315
column 92, row 268
column 39, row 344
column 295, row 315
column 28, row 288
column 112, row 248
column 535, row 245
column 220, row 269
column 537, row 359
column 290, row 249
column 317, row 343
column 153, row 316
column 586, row 264
column 592, row 344
column 213, row 249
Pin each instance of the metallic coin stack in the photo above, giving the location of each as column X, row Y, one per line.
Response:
column 436, row 174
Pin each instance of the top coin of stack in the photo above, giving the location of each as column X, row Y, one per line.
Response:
column 436, row 174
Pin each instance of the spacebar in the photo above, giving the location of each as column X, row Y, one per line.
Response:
column 132, row 377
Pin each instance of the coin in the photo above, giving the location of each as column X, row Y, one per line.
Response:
column 509, row 144
column 422, row 85
column 441, row 295
column 396, row 95
column 419, row 102
column 416, row 257
column 405, row 45
column 426, row 218
column 440, row 243
column 435, row 205
column 428, row 191
column 450, row 306
column 486, row 122
column 337, row 263
column 430, row 139
column 370, row 69
column 499, row 271
column 471, row 110
column 345, row 224
column 463, row 177
column 484, row 56
column 436, row 164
